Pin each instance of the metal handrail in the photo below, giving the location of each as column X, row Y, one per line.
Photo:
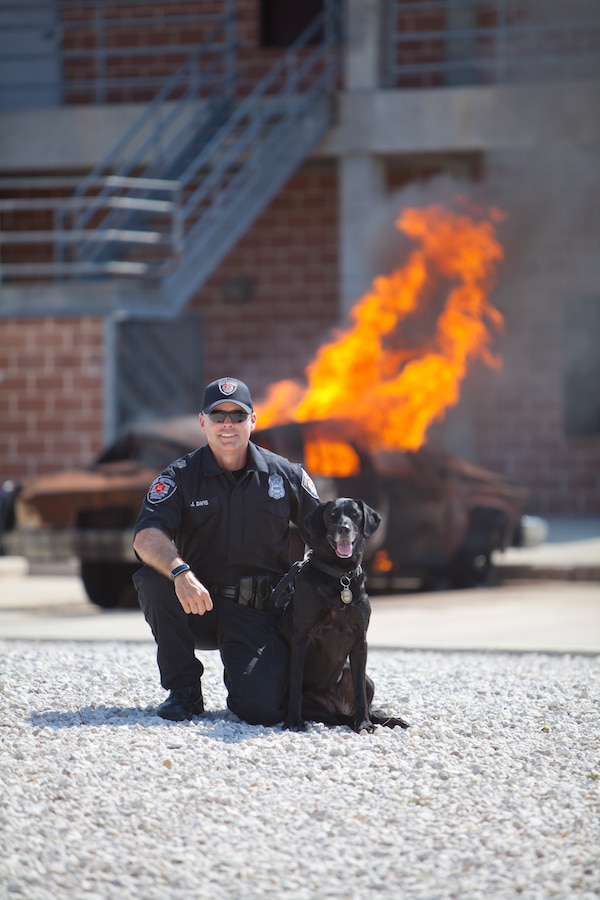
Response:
column 242, row 157
column 165, row 237
column 134, row 146
column 303, row 72
column 262, row 143
column 93, row 35
column 260, row 104
column 441, row 43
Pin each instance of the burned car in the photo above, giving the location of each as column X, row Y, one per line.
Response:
column 442, row 517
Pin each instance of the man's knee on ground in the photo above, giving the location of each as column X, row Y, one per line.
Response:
column 254, row 711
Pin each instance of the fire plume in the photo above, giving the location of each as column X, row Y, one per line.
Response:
column 400, row 363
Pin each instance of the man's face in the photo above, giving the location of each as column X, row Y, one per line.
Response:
column 227, row 435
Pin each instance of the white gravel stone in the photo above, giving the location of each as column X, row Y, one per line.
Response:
column 492, row 792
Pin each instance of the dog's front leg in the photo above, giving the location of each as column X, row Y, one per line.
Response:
column 358, row 666
column 293, row 720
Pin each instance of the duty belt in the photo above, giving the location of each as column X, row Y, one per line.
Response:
column 253, row 591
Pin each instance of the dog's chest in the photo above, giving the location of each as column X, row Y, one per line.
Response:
column 333, row 613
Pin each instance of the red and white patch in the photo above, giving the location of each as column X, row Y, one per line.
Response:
column 161, row 488
column 227, row 387
column 309, row 485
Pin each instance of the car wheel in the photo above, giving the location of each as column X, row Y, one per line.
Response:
column 8, row 493
column 472, row 570
column 109, row 585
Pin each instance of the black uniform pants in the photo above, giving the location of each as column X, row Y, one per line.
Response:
column 255, row 657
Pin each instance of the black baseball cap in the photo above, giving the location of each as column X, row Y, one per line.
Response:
column 231, row 390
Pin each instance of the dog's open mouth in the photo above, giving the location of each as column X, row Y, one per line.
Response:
column 343, row 548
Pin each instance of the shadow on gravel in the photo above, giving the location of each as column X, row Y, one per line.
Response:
column 219, row 725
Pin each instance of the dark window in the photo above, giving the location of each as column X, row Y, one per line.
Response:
column 582, row 367
column 282, row 21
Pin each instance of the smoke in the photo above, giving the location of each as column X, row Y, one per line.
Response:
column 550, row 234
column 550, row 200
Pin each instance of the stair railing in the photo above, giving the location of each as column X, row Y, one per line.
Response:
column 202, row 84
column 299, row 76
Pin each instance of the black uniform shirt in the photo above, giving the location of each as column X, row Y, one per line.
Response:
column 225, row 525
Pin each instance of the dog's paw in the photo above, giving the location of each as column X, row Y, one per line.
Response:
column 393, row 722
column 364, row 727
column 294, row 725
column 382, row 718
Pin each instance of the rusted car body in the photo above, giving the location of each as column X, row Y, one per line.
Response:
column 443, row 517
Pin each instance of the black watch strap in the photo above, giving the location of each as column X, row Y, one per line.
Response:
column 178, row 570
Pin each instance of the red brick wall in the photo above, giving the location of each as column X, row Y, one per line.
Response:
column 51, row 394
column 171, row 30
column 290, row 257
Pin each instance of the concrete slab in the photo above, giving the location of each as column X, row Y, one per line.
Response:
column 554, row 607
column 570, row 551
column 557, row 617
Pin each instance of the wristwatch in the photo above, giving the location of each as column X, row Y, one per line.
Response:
column 178, row 570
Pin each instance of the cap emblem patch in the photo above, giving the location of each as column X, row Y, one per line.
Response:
column 227, row 387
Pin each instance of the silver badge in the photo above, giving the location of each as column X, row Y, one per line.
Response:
column 276, row 487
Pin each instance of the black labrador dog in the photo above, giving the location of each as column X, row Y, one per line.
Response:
column 326, row 622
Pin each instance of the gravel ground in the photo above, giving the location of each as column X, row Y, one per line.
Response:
column 492, row 793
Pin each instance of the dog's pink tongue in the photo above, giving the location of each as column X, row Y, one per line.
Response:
column 343, row 548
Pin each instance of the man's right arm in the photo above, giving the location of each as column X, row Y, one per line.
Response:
column 157, row 550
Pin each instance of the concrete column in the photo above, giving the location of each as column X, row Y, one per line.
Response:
column 361, row 182
column 361, row 186
column 363, row 50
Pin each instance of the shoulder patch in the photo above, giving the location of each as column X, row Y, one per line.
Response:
column 309, row 485
column 161, row 488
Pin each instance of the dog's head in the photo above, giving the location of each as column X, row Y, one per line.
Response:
column 340, row 528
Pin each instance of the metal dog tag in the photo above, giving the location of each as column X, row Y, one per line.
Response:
column 346, row 596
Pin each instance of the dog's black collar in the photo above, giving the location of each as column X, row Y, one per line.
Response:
column 282, row 593
column 331, row 570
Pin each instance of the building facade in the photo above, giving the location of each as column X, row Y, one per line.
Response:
column 411, row 122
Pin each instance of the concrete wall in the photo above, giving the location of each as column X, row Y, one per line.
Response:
column 372, row 122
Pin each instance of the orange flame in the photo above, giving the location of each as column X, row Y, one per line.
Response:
column 329, row 458
column 381, row 562
column 400, row 364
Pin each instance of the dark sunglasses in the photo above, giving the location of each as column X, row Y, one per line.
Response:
column 237, row 416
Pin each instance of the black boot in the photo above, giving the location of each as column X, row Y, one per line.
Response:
column 182, row 703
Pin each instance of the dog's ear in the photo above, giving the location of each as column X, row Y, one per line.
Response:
column 371, row 518
column 312, row 527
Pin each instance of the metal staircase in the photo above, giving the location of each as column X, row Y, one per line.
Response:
column 224, row 159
